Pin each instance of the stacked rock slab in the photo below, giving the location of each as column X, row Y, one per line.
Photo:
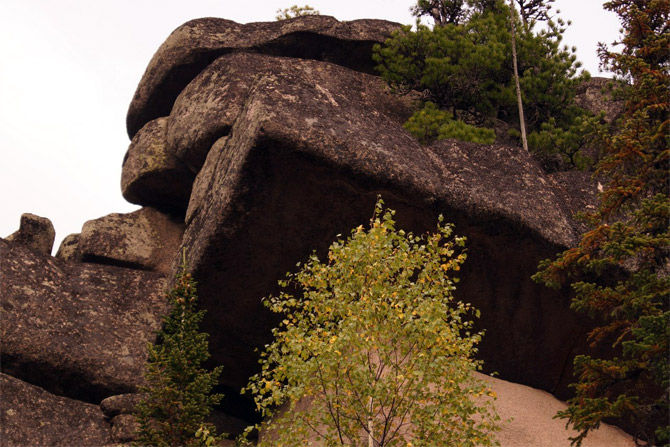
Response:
column 73, row 333
column 291, row 151
column 30, row 416
column 195, row 44
column 76, row 329
column 152, row 174
column 144, row 239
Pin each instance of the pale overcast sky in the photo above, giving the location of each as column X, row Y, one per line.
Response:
column 70, row 67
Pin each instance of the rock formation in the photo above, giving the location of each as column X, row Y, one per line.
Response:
column 30, row 416
column 35, row 232
column 76, row 329
column 253, row 146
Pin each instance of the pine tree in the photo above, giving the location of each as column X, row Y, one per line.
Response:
column 178, row 396
column 467, row 68
column 534, row 10
column 619, row 269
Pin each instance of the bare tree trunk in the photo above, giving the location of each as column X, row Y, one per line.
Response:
column 522, row 120
column 371, row 439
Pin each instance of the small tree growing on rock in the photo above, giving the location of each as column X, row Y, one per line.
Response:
column 376, row 351
column 296, row 11
column 178, row 391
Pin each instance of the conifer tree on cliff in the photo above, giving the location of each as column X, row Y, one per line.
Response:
column 463, row 65
column 178, row 391
column 619, row 270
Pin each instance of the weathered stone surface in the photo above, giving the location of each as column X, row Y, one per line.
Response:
column 76, row 329
column 208, row 106
column 152, row 175
column 303, row 163
column 35, row 232
column 31, row 416
column 144, row 239
column 578, row 192
column 195, row 44
column 527, row 418
column 120, row 404
column 124, row 428
column 594, row 96
column 69, row 248
column 204, row 178
column 532, row 421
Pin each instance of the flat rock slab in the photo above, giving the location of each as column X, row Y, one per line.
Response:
column 195, row 44
column 144, row 239
column 207, row 108
column 76, row 329
column 31, row 416
column 304, row 161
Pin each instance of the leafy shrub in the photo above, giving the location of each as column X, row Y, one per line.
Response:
column 296, row 11
column 374, row 342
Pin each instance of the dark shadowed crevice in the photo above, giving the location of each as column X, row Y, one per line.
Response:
column 61, row 382
column 95, row 259
column 353, row 54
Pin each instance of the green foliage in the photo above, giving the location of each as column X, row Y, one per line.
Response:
column 455, row 11
column 466, row 67
column 296, row 11
column 619, row 269
column 178, row 391
column 374, row 342
column 430, row 123
column 570, row 142
column 441, row 11
column 534, row 10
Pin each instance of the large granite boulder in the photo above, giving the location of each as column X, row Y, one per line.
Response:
column 195, row 44
column 304, row 161
column 35, row 232
column 76, row 329
column 152, row 175
column 207, row 108
column 144, row 239
column 31, row 416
